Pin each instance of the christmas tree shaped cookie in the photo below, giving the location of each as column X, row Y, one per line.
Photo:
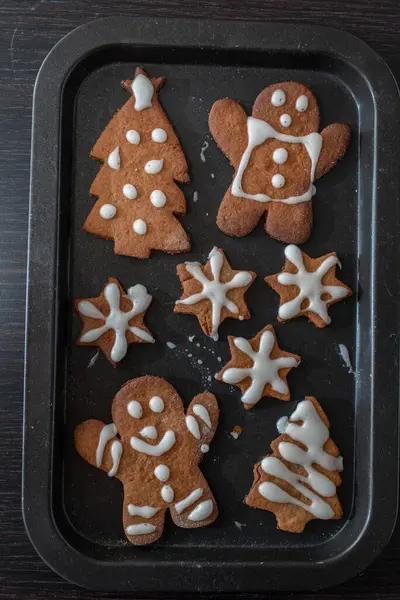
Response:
column 153, row 447
column 308, row 286
column 137, row 187
column 259, row 367
column 277, row 154
column 298, row 481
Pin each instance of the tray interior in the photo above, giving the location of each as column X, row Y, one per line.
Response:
column 86, row 504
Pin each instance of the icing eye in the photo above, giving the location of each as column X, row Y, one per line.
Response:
column 278, row 98
column 156, row 404
column 108, row 211
column 285, row 120
column 135, row 409
column 301, row 103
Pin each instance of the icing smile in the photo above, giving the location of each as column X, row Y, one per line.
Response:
column 165, row 444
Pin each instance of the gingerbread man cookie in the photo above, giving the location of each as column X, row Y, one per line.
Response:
column 298, row 480
column 153, row 447
column 277, row 154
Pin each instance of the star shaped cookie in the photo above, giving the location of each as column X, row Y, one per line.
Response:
column 114, row 319
column 308, row 286
column 213, row 292
column 259, row 367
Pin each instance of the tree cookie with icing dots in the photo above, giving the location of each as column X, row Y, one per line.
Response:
column 259, row 367
column 308, row 286
column 114, row 319
column 137, row 187
column 213, row 292
column 298, row 481
column 153, row 447
column 277, row 154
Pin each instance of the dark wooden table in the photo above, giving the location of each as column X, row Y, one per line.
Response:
column 29, row 29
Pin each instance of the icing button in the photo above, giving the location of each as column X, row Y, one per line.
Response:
column 139, row 227
column 278, row 180
column 280, row 156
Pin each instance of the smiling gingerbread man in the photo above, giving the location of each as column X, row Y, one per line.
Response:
column 277, row 154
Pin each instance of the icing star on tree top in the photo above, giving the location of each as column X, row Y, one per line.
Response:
column 259, row 367
column 308, row 286
column 213, row 292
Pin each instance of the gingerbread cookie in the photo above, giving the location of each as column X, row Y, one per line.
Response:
column 259, row 367
column 308, row 286
column 213, row 292
column 154, row 448
column 114, row 319
column 136, row 187
column 298, row 481
column 277, row 154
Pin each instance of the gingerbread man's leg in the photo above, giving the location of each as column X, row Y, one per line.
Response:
column 195, row 506
column 289, row 223
column 143, row 523
column 238, row 216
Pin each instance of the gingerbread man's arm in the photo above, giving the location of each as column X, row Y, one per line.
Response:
column 203, row 411
column 93, row 441
column 228, row 126
column 335, row 140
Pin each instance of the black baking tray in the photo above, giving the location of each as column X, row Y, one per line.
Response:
column 72, row 512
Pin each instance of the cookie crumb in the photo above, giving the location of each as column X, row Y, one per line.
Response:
column 195, row 196
column 236, row 431
column 191, row 338
column 345, row 356
column 93, row 359
column 199, row 362
column 212, row 176
column 171, row 345
column 219, row 359
column 239, row 525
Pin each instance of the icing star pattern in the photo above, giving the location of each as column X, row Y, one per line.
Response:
column 308, row 286
column 114, row 319
column 259, row 367
column 213, row 292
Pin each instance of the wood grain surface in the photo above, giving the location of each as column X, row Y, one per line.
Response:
column 29, row 29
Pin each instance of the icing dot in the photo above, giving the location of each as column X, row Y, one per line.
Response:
column 139, row 227
column 159, row 135
column 278, row 98
column 156, row 404
column 135, row 409
column 153, row 166
column 108, row 211
column 280, row 156
column 114, row 160
column 167, row 493
column 158, row 198
column 278, row 180
column 133, row 136
column 285, row 120
column 162, row 472
column 204, row 448
column 129, row 191
column 301, row 103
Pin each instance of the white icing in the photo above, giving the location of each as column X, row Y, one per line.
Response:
column 258, row 132
column 114, row 160
column 214, row 290
column 301, row 103
column 133, row 136
column 202, row 511
column 158, row 198
column 116, row 453
column 140, row 529
column 156, row 404
column 162, row 472
column 167, row 493
column 278, row 180
column 264, row 370
column 143, row 90
column 285, row 120
column 195, row 196
column 278, row 98
column 106, row 434
column 139, row 227
column 310, row 286
column 161, row 448
column 142, row 511
column 204, row 448
column 203, row 149
column 281, row 424
column 108, row 211
column 201, row 411
column 135, row 409
column 193, row 426
column 280, row 156
column 159, row 135
column 312, row 433
column 189, row 500
column 344, row 353
column 149, row 432
column 129, row 191
column 117, row 319
column 154, row 166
